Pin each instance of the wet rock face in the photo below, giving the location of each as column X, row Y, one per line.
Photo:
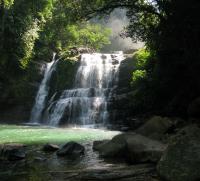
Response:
column 181, row 160
column 12, row 152
column 120, row 102
column 71, row 149
column 126, row 69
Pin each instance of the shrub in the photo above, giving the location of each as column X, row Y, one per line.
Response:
column 141, row 58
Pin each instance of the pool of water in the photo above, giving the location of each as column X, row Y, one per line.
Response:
column 38, row 162
column 42, row 134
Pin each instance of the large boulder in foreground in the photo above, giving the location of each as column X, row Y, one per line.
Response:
column 142, row 149
column 71, row 149
column 155, row 128
column 181, row 160
column 113, row 148
column 12, row 152
column 135, row 148
column 97, row 144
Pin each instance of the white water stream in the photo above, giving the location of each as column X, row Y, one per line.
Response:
column 42, row 94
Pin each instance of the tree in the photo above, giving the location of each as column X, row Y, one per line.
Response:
column 30, row 31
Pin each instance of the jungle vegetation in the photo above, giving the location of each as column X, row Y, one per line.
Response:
column 167, row 75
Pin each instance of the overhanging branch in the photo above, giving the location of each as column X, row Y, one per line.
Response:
column 108, row 8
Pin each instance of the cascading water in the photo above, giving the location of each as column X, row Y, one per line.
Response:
column 41, row 98
column 86, row 103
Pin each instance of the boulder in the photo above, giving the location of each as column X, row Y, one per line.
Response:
column 12, row 152
column 142, row 149
column 50, row 147
column 113, row 148
column 181, row 160
column 194, row 108
column 71, row 149
column 155, row 128
column 135, row 148
column 96, row 144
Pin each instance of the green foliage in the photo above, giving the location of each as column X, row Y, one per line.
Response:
column 61, row 33
column 88, row 35
column 6, row 3
column 138, row 75
column 30, row 31
column 141, row 58
column 28, row 41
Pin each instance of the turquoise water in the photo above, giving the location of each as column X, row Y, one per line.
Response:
column 39, row 165
column 39, row 134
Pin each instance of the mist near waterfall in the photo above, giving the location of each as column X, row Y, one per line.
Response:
column 117, row 21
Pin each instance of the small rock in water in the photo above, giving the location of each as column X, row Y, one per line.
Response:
column 71, row 148
column 115, row 62
column 103, row 56
column 113, row 56
column 50, row 147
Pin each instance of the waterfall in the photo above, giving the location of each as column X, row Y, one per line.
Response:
column 42, row 94
column 86, row 103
